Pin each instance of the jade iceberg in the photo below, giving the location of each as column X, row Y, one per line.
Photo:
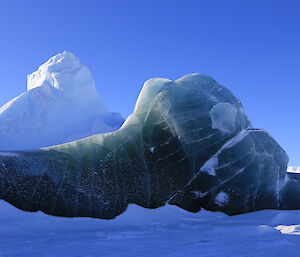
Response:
column 187, row 143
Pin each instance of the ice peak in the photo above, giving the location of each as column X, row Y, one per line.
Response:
column 63, row 72
column 65, row 56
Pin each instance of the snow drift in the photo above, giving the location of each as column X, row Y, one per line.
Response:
column 165, row 232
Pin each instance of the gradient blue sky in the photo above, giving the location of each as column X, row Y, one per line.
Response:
column 250, row 46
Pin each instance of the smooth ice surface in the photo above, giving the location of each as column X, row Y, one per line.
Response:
column 61, row 104
column 249, row 173
column 165, row 232
column 188, row 143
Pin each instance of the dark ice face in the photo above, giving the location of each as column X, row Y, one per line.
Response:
column 188, row 143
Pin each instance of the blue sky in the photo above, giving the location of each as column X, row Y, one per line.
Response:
column 252, row 47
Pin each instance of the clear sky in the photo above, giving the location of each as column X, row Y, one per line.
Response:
column 250, row 46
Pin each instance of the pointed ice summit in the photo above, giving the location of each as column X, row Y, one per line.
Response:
column 61, row 104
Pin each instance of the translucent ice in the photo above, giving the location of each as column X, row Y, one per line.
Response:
column 188, row 143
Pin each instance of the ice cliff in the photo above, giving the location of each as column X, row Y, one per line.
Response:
column 61, row 104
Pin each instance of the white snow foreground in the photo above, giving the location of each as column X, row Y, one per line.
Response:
column 293, row 169
column 164, row 232
column 61, row 104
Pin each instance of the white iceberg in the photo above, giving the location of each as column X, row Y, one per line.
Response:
column 61, row 104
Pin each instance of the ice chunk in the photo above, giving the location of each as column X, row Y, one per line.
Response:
column 221, row 198
column 188, row 143
column 223, row 117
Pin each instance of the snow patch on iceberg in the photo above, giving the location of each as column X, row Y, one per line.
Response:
column 221, row 198
column 210, row 166
column 9, row 154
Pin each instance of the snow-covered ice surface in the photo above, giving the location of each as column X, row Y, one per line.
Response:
column 293, row 169
column 167, row 231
